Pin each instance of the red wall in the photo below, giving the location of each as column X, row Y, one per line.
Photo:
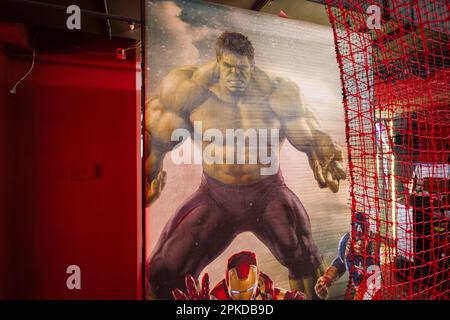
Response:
column 4, row 166
column 72, row 134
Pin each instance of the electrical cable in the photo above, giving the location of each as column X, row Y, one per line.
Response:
column 132, row 47
column 14, row 88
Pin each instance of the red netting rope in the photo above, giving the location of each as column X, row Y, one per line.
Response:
column 395, row 80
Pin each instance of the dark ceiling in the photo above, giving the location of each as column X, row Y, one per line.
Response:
column 51, row 13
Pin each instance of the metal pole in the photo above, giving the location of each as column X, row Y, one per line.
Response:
column 108, row 23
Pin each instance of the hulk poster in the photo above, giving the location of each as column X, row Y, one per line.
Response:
column 246, row 160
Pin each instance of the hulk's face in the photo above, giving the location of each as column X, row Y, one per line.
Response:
column 235, row 72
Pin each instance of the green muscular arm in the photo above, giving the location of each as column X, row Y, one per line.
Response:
column 180, row 92
column 303, row 132
column 160, row 123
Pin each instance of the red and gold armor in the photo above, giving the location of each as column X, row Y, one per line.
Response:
column 243, row 281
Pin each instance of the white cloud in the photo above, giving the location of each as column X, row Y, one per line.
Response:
column 180, row 37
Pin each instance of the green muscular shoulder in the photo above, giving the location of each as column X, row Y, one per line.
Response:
column 187, row 87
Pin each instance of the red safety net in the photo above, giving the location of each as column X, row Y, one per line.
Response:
column 395, row 71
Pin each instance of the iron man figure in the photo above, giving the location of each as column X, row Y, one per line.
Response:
column 243, row 281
